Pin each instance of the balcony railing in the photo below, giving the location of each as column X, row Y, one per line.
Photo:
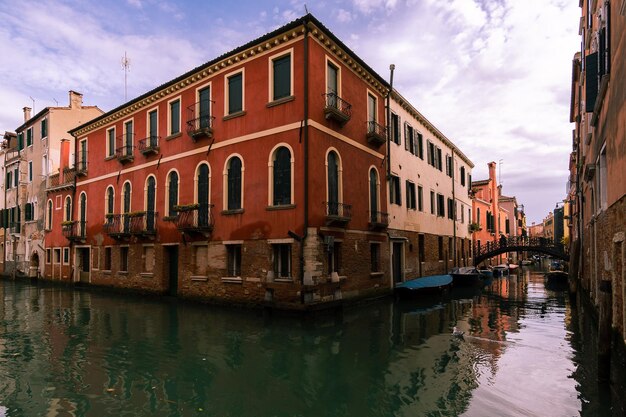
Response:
column 125, row 153
column 337, row 108
column 199, row 124
column 120, row 226
column 337, row 213
column 149, row 145
column 378, row 220
column 376, row 133
column 81, row 166
column 75, row 231
column 62, row 179
column 194, row 218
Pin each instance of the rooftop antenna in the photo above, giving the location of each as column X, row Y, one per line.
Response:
column 305, row 9
column 55, row 100
column 126, row 67
column 33, row 100
column 500, row 170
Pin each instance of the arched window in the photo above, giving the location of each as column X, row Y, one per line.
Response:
column 333, row 179
column 373, row 180
column 281, row 177
column 172, row 193
column 109, row 203
column 83, row 213
column 126, row 191
column 67, row 213
column 49, row 215
column 150, row 203
column 202, row 195
column 233, row 181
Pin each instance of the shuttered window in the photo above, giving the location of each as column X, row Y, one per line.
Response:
column 235, row 93
column 282, row 77
column 172, row 198
column 44, row 128
column 333, row 183
column 282, row 177
column 591, row 81
column 234, row 184
column 174, row 117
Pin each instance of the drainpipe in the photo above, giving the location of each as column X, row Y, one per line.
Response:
column 391, row 68
column 453, row 208
column 306, row 152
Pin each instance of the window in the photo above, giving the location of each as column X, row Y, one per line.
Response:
column 333, row 183
column 282, row 260
column 9, row 179
column 478, row 216
column 174, row 117
column 449, row 167
column 67, row 215
column 409, row 144
column 82, row 155
column 233, row 182
column 30, row 171
column 66, row 255
column 373, row 180
column 20, row 141
column 204, row 108
column 375, row 257
column 48, row 256
column 507, row 227
column 420, row 198
column 172, row 193
column 439, row 165
column 124, row 259
column 127, row 146
column 202, row 195
column 110, row 142
column 57, row 256
column 430, row 153
column 126, row 194
column 441, row 210
column 44, row 128
column 394, row 192
column 29, row 212
column 462, row 175
column 107, row 258
column 332, row 81
column 462, row 215
column 233, row 253
column 29, row 136
column 150, row 201
column 395, row 128
column 371, row 110
column 281, row 181
column 420, row 145
column 16, row 177
column 451, row 209
column 432, row 202
column 234, row 97
column 110, row 201
column 334, row 258
column 49, row 215
column 153, row 128
column 281, row 77
column 410, row 196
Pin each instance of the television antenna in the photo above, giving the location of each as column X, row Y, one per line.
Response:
column 500, row 162
column 126, row 66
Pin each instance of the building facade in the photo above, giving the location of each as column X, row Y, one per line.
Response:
column 29, row 158
column 598, row 160
column 428, row 193
column 242, row 180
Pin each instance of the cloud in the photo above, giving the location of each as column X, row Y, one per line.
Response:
column 343, row 16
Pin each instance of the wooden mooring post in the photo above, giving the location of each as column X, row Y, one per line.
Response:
column 605, row 318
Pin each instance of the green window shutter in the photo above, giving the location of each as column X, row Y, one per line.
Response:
column 591, row 81
column 44, row 128
column 175, row 117
column 29, row 137
column 20, row 141
column 235, row 93
column 282, row 77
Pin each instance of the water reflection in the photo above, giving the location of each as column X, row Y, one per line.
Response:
column 83, row 353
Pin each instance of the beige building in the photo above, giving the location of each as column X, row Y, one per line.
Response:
column 429, row 204
column 29, row 157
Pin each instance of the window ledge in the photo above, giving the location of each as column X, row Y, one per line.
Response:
column 173, row 136
column 234, row 115
column 282, row 207
column 376, row 274
column 108, row 158
column 280, row 101
column 106, row 271
column 122, row 272
column 199, row 278
column 232, row 280
column 147, row 274
column 287, row 280
column 232, row 212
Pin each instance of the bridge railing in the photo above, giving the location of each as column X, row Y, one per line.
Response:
column 517, row 242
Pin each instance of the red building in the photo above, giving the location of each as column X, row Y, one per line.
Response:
column 247, row 179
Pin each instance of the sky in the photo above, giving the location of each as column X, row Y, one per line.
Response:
column 492, row 75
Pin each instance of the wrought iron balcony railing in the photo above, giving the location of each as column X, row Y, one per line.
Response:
column 142, row 223
column 199, row 124
column 378, row 220
column 75, row 231
column 194, row 218
column 61, row 179
column 125, row 149
column 337, row 213
column 337, row 108
column 376, row 133
column 149, row 145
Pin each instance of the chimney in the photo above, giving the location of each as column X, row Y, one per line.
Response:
column 27, row 113
column 65, row 156
column 76, row 100
column 492, row 171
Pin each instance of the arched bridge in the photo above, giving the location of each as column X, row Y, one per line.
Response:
column 519, row 244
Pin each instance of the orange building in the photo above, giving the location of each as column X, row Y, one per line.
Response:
column 485, row 211
column 257, row 177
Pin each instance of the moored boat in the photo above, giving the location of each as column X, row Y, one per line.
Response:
column 500, row 270
column 417, row 286
column 465, row 275
column 526, row 262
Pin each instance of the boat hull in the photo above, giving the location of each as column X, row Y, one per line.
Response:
column 424, row 285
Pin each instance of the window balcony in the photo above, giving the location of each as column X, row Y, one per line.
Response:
column 125, row 154
column 74, row 230
column 376, row 134
column 337, row 109
column 81, row 166
column 62, row 180
column 199, row 124
column 378, row 220
column 337, row 214
column 194, row 218
column 149, row 145
column 123, row 226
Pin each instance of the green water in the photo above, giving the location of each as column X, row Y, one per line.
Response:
column 80, row 352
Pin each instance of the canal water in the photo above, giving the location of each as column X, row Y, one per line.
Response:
column 526, row 351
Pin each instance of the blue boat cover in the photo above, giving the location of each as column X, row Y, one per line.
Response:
column 433, row 281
